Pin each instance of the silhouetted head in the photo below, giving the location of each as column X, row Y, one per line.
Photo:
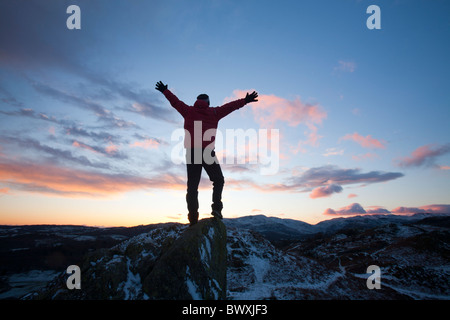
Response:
column 202, row 101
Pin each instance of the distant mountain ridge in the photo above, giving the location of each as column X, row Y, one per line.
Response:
column 276, row 229
column 272, row 227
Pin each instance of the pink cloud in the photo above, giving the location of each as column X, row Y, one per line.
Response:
column 351, row 209
column 437, row 208
column 146, row 144
column 433, row 208
column 356, row 209
column 377, row 210
column 271, row 108
column 325, row 175
column 408, row 210
column 51, row 179
column 366, row 142
column 83, row 146
column 320, row 181
column 111, row 148
column 424, row 155
column 325, row 191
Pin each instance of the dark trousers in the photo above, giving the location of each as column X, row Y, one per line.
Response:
column 195, row 162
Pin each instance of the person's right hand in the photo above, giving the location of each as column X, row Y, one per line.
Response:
column 161, row 86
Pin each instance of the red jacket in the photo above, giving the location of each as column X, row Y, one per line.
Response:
column 209, row 117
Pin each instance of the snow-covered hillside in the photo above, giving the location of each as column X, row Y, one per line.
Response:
column 329, row 262
column 257, row 270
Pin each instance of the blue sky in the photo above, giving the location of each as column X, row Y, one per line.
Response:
column 362, row 114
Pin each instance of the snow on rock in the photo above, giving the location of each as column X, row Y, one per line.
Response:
column 192, row 287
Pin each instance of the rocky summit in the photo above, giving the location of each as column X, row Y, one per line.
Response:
column 194, row 267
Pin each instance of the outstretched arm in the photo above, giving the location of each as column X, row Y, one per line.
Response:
column 179, row 105
column 226, row 109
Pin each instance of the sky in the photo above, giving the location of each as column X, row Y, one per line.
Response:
column 361, row 114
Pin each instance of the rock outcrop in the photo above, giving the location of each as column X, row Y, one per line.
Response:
column 194, row 267
column 172, row 262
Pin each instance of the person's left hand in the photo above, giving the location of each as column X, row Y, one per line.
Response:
column 251, row 97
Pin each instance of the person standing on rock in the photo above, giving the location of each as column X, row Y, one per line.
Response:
column 200, row 124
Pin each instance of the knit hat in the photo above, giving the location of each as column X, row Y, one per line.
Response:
column 203, row 96
column 202, row 101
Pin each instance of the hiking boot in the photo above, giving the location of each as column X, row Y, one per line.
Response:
column 193, row 218
column 217, row 214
